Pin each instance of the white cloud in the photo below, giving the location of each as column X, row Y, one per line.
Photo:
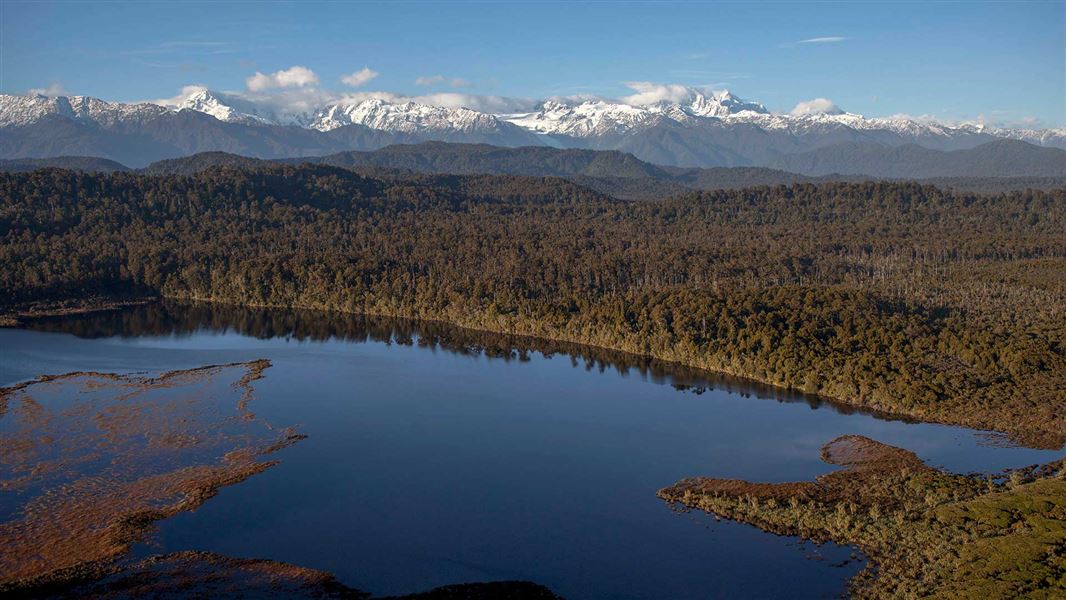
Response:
column 429, row 80
column 359, row 77
column 817, row 106
column 823, row 40
column 54, row 89
column 287, row 102
column 296, row 76
column 459, row 82
column 650, row 93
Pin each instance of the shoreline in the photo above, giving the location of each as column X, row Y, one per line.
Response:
column 1038, row 439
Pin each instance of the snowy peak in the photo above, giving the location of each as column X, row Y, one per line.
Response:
column 205, row 101
column 25, row 110
column 583, row 119
column 719, row 104
column 403, row 117
column 602, row 117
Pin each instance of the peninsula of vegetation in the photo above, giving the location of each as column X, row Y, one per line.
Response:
column 926, row 532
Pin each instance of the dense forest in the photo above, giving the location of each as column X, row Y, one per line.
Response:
column 899, row 297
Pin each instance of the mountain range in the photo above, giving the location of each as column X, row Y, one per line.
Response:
column 703, row 129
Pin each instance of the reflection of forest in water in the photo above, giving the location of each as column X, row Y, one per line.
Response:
column 179, row 318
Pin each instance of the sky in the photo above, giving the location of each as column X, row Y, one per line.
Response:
column 995, row 62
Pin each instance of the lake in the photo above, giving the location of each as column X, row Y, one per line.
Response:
column 436, row 455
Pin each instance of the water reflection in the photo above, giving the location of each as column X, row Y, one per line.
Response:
column 178, row 318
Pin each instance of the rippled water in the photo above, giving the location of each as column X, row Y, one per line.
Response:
column 437, row 456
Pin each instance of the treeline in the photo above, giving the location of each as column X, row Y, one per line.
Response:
column 895, row 296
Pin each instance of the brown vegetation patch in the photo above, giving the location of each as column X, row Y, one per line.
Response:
column 89, row 461
column 865, row 462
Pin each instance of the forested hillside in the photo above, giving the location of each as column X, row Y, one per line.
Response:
column 894, row 296
column 615, row 173
column 89, row 164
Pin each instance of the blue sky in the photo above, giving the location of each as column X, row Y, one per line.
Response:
column 1003, row 61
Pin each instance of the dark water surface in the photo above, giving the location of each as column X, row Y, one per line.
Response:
column 438, row 456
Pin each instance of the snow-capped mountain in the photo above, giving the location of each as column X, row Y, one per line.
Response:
column 697, row 129
column 595, row 118
column 25, row 110
column 586, row 119
column 591, row 118
column 404, row 117
column 205, row 101
column 375, row 113
column 720, row 104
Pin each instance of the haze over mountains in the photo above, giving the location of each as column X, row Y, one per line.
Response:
column 702, row 129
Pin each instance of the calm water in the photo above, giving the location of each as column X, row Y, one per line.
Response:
column 438, row 456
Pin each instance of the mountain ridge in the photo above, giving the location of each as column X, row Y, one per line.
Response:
column 700, row 130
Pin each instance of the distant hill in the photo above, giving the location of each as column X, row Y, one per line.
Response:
column 1001, row 158
column 465, row 159
column 613, row 173
column 624, row 176
column 88, row 164
column 191, row 165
